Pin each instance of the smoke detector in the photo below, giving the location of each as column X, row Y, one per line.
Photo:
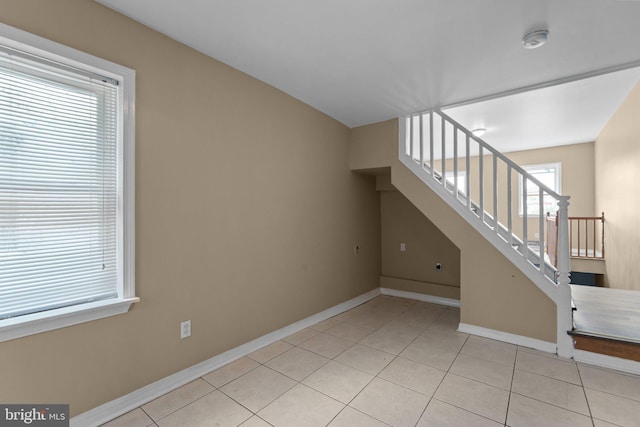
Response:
column 535, row 39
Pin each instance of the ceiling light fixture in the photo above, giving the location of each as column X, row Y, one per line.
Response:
column 479, row 132
column 535, row 39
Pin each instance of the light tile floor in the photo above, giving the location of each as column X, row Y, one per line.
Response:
column 396, row 362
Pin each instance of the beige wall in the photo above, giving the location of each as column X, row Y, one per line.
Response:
column 247, row 214
column 494, row 293
column 617, row 160
column 425, row 245
column 578, row 177
column 368, row 147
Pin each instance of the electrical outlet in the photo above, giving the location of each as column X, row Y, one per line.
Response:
column 403, row 247
column 185, row 329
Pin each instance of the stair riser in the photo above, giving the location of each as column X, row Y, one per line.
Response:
column 609, row 347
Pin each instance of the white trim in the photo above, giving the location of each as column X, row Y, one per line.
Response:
column 124, row 404
column 128, row 197
column 36, row 323
column 544, row 85
column 604, row 361
column 520, row 340
column 45, row 48
column 421, row 297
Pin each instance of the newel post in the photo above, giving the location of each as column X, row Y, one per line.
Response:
column 563, row 299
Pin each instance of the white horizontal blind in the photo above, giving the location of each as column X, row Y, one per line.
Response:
column 58, row 186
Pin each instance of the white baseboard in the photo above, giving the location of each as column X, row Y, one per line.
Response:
column 110, row 410
column 520, row 340
column 605, row 361
column 421, row 297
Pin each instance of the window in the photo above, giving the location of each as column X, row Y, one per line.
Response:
column 66, row 186
column 547, row 174
column 462, row 181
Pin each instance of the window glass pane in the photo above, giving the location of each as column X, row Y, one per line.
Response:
column 549, row 176
column 58, row 187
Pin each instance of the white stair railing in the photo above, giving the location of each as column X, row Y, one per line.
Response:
column 498, row 197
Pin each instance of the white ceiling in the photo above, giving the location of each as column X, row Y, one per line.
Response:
column 570, row 113
column 364, row 61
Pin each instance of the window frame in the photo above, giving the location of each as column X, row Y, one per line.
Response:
column 558, row 183
column 30, row 324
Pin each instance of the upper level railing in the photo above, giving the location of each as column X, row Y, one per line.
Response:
column 500, row 194
column 586, row 234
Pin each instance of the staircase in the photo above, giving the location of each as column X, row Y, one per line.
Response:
column 464, row 171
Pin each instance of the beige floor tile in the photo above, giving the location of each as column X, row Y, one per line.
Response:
column 555, row 392
column 370, row 320
column 451, row 341
column 338, row 381
column 326, row 345
column 331, row 322
column 258, row 388
column 135, row 418
column 613, row 409
column 444, row 415
column 215, row 409
column 255, row 421
column 349, row 417
column 487, row 349
column 479, row 398
column 540, row 353
column 387, row 341
column 393, row 308
column 301, row 406
column 487, row 372
column 402, row 329
column 610, row 381
column 419, row 317
column 527, row 412
column 366, row 307
column 230, row 372
column 449, row 318
column 366, row 359
column 297, row 363
column 600, row 423
column 559, row 369
column 269, row 352
column 349, row 331
column 390, row 403
column 301, row 336
column 178, row 398
column 425, row 352
column 415, row 376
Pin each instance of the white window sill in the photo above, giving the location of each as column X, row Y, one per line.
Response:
column 31, row 324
